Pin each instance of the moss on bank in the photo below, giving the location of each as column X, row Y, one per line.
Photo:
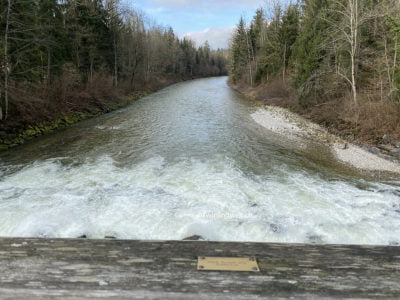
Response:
column 29, row 132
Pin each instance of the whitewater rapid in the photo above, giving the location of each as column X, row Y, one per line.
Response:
column 156, row 176
column 211, row 198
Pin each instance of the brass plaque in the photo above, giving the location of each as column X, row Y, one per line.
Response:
column 237, row 264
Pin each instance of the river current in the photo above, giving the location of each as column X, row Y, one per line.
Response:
column 190, row 160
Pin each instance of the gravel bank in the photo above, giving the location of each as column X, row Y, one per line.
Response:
column 295, row 127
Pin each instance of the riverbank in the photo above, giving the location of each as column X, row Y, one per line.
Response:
column 186, row 161
column 43, row 118
column 22, row 133
column 371, row 125
column 365, row 148
column 298, row 129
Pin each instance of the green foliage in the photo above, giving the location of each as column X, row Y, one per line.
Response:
column 324, row 48
column 275, row 49
column 309, row 55
column 239, row 52
column 394, row 25
column 256, row 31
column 271, row 55
column 49, row 38
column 289, row 31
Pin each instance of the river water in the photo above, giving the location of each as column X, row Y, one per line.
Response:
column 189, row 160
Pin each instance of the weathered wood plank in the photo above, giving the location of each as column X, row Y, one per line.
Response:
column 123, row 269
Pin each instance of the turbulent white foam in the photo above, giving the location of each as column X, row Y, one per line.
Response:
column 159, row 200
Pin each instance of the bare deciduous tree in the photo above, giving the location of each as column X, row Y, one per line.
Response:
column 346, row 37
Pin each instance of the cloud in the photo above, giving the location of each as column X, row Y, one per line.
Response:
column 176, row 3
column 208, row 4
column 190, row 17
column 216, row 37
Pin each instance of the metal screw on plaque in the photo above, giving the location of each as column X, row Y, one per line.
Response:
column 252, row 258
column 255, row 269
column 202, row 257
column 201, row 267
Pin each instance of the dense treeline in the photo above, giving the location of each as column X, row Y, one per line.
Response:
column 57, row 55
column 326, row 50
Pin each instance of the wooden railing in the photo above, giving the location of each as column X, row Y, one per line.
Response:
column 125, row 269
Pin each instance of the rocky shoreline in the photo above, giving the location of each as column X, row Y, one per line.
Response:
column 384, row 158
column 390, row 151
column 386, row 146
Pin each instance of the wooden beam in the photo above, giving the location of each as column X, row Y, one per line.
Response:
column 125, row 269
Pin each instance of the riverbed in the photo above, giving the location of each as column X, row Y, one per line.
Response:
column 191, row 160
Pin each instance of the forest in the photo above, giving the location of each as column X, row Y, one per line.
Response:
column 60, row 57
column 335, row 61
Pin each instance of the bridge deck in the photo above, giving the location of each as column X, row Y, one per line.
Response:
column 124, row 269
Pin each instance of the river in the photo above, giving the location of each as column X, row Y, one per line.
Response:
column 189, row 160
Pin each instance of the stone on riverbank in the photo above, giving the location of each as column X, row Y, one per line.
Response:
column 295, row 127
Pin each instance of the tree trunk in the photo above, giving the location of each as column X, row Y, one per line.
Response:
column 354, row 44
column 250, row 59
column 6, row 63
column 284, row 63
column 115, row 63
column 134, row 68
column 48, row 66
column 353, row 80
column 395, row 58
column 91, row 67
column 1, row 107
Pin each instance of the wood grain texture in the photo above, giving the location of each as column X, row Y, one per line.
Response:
column 124, row 269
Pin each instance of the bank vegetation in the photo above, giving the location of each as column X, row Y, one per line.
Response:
column 335, row 61
column 64, row 60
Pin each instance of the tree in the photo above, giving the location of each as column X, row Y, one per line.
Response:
column 114, row 24
column 22, row 47
column 279, row 35
column 352, row 15
column 188, row 56
column 288, row 33
column 391, row 42
column 309, row 54
column 45, row 41
column 134, row 46
column 241, row 53
column 6, row 67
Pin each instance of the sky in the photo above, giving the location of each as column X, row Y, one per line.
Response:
column 200, row 20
